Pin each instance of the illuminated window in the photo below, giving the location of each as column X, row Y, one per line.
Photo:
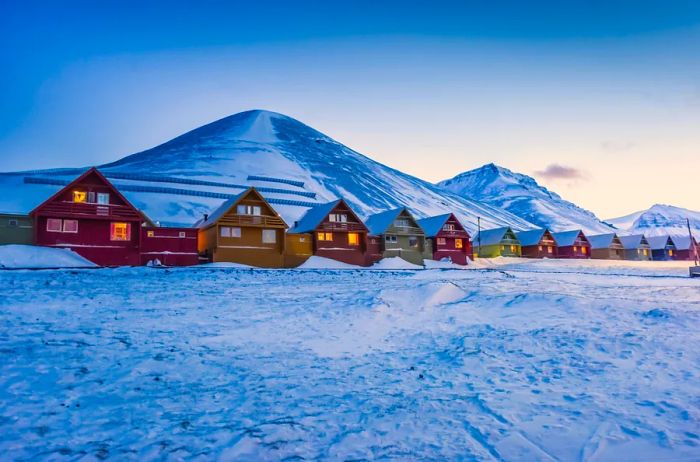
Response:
column 513, row 248
column 458, row 244
column 503, row 247
column 120, row 231
column 575, row 249
column 646, row 252
column 670, row 252
column 413, row 241
column 338, row 218
column 103, row 198
column 269, row 236
column 441, row 241
column 53, row 225
column 550, row 249
column 353, row 239
column 79, row 196
column 248, row 210
column 325, row 236
column 539, row 247
column 150, row 233
column 584, row 250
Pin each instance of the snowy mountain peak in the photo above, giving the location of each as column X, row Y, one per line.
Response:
column 658, row 220
column 523, row 196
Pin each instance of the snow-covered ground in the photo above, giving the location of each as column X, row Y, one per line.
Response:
column 534, row 360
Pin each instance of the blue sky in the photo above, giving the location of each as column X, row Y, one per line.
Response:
column 596, row 99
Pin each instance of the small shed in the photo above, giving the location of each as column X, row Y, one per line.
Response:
column 244, row 229
column 399, row 235
column 606, row 247
column 448, row 238
column 636, row 247
column 335, row 232
column 662, row 248
column 16, row 228
column 537, row 243
column 685, row 247
column 498, row 242
column 572, row 244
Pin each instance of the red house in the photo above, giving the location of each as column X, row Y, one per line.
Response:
column 686, row 247
column 336, row 232
column 537, row 243
column 572, row 244
column 92, row 218
column 449, row 238
column 170, row 246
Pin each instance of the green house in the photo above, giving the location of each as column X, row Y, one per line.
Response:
column 16, row 228
column 400, row 236
column 499, row 242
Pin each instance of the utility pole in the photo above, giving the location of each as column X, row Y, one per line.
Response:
column 692, row 242
column 478, row 236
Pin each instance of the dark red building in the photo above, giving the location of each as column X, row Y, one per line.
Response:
column 572, row 244
column 537, row 243
column 686, row 247
column 92, row 218
column 170, row 246
column 336, row 232
column 449, row 238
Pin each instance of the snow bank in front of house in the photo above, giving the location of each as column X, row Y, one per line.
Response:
column 395, row 263
column 15, row 256
column 434, row 264
column 224, row 265
column 316, row 263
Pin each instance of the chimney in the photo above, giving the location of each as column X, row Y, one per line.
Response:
column 296, row 223
column 206, row 216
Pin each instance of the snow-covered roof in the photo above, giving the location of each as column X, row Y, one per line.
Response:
column 313, row 217
column 566, row 238
column 220, row 211
column 658, row 242
column 379, row 222
column 682, row 242
column 432, row 225
column 531, row 236
column 633, row 242
column 491, row 236
column 601, row 241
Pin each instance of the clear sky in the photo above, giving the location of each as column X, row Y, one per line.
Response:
column 599, row 100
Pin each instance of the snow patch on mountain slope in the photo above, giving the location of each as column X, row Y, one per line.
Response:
column 265, row 144
column 524, row 197
column 659, row 220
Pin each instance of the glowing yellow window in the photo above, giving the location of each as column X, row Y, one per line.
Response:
column 79, row 196
column 458, row 244
column 503, row 247
column 513, row 248
column 646, row 252
column 150, row 233
column 550, row 249
column 539, row 247
column 584, row 250
column 353, row 239
column 325, row 236
column 670, row 252
column 120, row 231
column 575, row 249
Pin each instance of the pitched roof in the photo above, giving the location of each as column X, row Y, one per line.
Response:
column 601, row 241
column 531, row 236
column 491, row 236
column 379, row 222
column 313, row 217
column 567, row 238
column 682, row 242
column 632, row 242
column 658, row 242
column 220, row 211
column 432, row 225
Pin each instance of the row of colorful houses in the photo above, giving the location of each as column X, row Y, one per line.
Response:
column 91, row 217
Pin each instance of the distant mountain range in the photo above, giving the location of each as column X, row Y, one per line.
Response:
column 522, row 196
column 659, row 220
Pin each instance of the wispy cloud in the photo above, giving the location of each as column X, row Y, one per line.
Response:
column 561, row 172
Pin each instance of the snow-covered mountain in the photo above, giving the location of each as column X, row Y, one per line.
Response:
column 292, row 164
column 522, row 196
column 659, row 220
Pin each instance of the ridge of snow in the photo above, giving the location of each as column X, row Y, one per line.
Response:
column 659, row 220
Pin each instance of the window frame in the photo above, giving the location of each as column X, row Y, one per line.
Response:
column 272, row 232
column 113, row 236
column 100, row 196
column 356, row 239
column 81, row 194
column 54, row 220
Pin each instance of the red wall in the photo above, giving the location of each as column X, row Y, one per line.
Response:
column 458, row 256
column 339, row 249
column 92, row 241
column 533, row 251
column 568, row 252
column 374, row 250
column 167, row 246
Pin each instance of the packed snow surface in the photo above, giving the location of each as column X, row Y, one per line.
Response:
column 512, row 360
column 15, row 256
column 395, row 263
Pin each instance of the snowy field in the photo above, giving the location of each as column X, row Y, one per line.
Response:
column 517, row 360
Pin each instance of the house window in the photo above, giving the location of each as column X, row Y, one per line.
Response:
column 338, row 218
column 584, row 250
column 13, row 223
column 70, row 226
column 225, row 231
column 353, row 239
column 248, row 210
column 181, row 234
column 550, row 249
column 269, row 236
column 513, row 248
column 302, row 239
column 79, row 196
column 448, row 227
column 575, row 249
column 235, row 232
column 325, row 236
column 53, row 225
column 401, row 223
column 646, row 252
column 458, row 244
column 539, row 247
column 390, row 238
column 441, row 241
column 150, row 233
column 91, row 197
column 503, row 247
column 670, row 252
column 412, row 241
column 120, row 231
column 103, row 198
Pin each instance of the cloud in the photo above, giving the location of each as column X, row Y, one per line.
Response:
column 561, row 172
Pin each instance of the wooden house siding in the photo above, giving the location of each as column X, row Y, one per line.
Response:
column 580, row 249
column 642, row 253
column 93, row 237
column 240, row 238
column 171, row 246
column 545, row 248
column 614, row 251
column 507, row 246
column 298, row 249
column 406, row 242
column 16, row 229
column 447, row 238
